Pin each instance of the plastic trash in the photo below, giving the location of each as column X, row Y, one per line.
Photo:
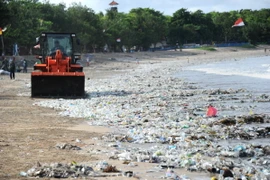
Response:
column 23, row 174
column 169, row 173
column 211, row 111
column 239, row 148
column 102, row 165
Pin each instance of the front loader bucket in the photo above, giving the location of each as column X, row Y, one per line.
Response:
column 65, row 84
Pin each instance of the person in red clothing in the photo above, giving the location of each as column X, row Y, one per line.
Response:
column 211, row 111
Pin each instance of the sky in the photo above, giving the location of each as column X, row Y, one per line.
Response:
column 168, row 7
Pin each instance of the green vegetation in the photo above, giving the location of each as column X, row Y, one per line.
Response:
column 207, row 48
column 251, row 46
column 139, row 29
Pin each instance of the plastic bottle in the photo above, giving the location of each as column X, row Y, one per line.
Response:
column 183, row 136
column 220, row 176
column 168, row 172
column 23, row 174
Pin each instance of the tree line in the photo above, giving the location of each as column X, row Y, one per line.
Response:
column 140, row 28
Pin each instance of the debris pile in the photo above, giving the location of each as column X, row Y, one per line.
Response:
column 161, row 119
column 58, row 170
column 67, row 146
column 72, row 170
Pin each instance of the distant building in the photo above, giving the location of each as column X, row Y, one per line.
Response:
column 114, row 5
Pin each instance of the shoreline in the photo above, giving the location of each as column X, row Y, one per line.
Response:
column 185, row 57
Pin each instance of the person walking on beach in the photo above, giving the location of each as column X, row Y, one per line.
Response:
column 24, row 66
column 12, row 68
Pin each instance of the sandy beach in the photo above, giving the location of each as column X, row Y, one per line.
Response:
column 31, row 131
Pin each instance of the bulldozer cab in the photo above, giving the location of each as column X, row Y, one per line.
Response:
column 50, row 42
column 62, row 43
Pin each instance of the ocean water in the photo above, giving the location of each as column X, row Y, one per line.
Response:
column 251, row 74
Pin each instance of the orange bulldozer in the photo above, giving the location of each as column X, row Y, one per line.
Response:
column 58, row 74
